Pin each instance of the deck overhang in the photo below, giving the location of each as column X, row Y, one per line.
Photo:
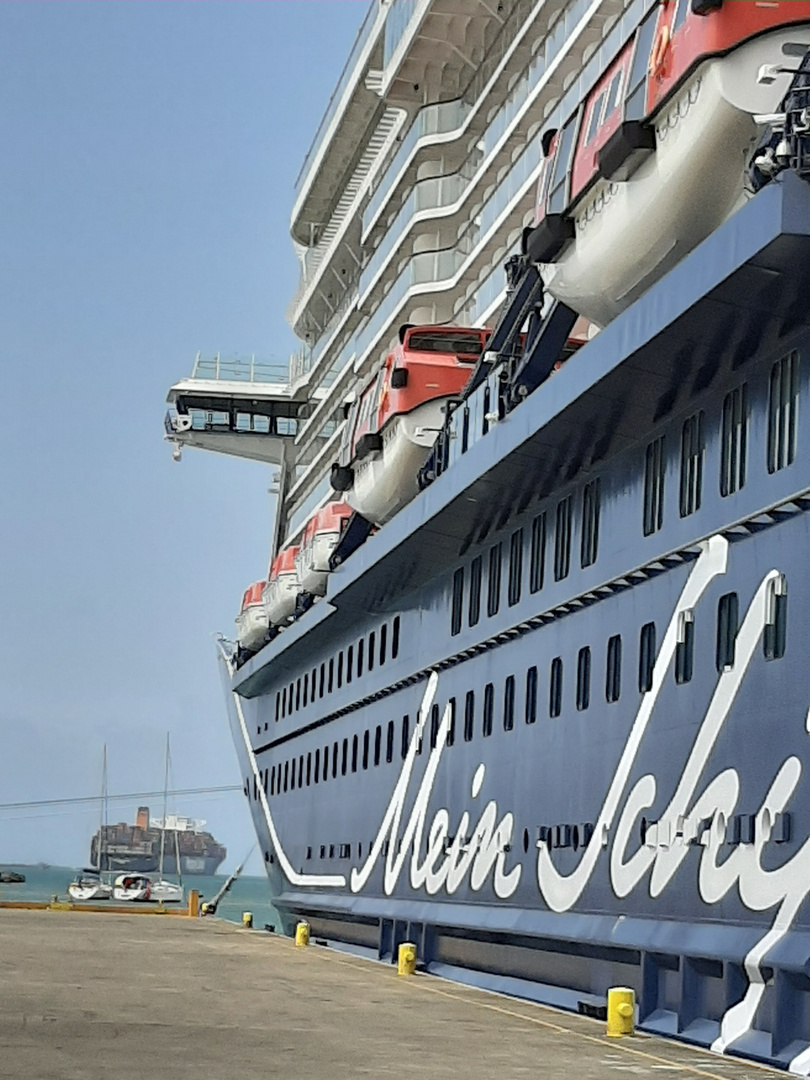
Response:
column 742, row 291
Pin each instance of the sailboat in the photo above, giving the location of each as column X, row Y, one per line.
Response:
column 88, row 884
column 140, row 887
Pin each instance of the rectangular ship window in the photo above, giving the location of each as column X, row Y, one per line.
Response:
column 371, row 642
column 355, row 752
column 297, row 694
column 377, row 744
column 286, row 775
column 344, row 758
column 301, row 771
column 292, row 775
column 360, row 646
column 405, row 737
column 509, row 703
column 349, row 663
column 537, row 564
column 774, row 639
column 583, row 678
column 783, row 412
column 613, row 673
column 555, row 688
column 654, row 469
column 489, row 708
column 366, row 741
column 469, row 716
column 474, row 613
column 278, row 704
column 531, row 695
column 325, row 773
column 306, row 689
column 340, row 669
column 458, row 599
column 734, row 441
column 322, row 682
column 728, row 613
column 685, row 648
column 389, row 742
column 691, row 464
column 515, row 566
column 309, row 768
column 562, row 539
column 646, row 657
column 434, row 725
column 451, row 730
column 316, row 775
column 395, row 638
column 494, row 580
column 331, row 679
column 383, row 642
column 273, row 780
column 589, row 548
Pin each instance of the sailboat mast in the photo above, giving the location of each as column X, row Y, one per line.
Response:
column 165, row 799
column 103, row 811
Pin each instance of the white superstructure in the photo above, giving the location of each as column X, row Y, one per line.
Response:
column 417, row 187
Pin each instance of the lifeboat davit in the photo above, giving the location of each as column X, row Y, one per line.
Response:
column 397, row 415
column 656, row 157
column 252, row 623
column 321, row 535
column 282, row 587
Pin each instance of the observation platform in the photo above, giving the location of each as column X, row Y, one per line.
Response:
column 97, row 997
column 244, row 408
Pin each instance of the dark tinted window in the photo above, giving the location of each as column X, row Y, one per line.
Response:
column 515, row 566
column 458, row 599
column 774, row 640
column 691, row 464
column 613, row 673
column 654, row 469
column 489, row 708
column 531, row 695
column 555, row 688
column 469, row 715
column 475, row 591
column 727, row 626
column 685, row 648
column 646, row 657
column 783, row 412
column 583, row 678
column 494, row 580
column 589, row 548
column 562, row 539
column 538, row 554
column 509, row 703
column 734, row 441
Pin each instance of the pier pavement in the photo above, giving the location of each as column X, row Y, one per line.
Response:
column 117, row 996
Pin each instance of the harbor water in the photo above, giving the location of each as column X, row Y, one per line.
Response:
column 246, row 894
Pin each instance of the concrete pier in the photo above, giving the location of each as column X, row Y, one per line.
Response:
column 112, row 996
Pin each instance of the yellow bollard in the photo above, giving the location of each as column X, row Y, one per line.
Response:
column 247, row 920
column 406, row 958
column 302, row 934
column 621, row 1012
column 193, row 904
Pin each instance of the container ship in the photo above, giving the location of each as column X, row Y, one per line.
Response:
column 136, row 847
column 524, row 681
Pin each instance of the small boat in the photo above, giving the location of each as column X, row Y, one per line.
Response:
column 282, row 587
column 89, row 886
column 398, row 414
column 132, row 887
column 321, row 535
column 655, row 158
column 252, row 623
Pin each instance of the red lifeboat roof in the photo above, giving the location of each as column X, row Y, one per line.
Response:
column 253, row 595
column 284, row 562
column 330, row 518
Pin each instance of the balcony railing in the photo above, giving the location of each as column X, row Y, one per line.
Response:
column 399, row 18
column 363, row 35
column 441, row 118
column 239, row 369
column 431, row 194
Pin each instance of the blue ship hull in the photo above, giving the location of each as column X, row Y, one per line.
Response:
column 623, row 798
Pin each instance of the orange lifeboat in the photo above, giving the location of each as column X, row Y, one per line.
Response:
column 397, row 415
column 252, row 623
column 655, row 158
column 282, row 587
column 322, row 532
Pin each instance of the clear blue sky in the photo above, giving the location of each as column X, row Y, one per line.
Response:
column 149, row 152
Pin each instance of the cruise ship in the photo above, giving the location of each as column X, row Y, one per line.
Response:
column 523, row 682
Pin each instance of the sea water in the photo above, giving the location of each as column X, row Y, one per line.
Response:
column 246, row 894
